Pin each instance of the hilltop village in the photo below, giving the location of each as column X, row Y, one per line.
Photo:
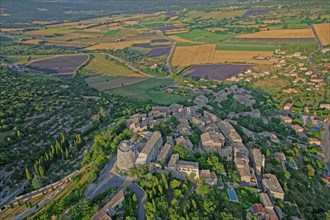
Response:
column 155, row 110
column 160, row 153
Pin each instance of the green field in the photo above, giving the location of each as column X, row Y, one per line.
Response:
column 205, row 36
column 296, row 23
column 149, row 90
column 301, row 25
column 111, row 33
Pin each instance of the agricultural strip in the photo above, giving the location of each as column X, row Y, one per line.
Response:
column 275, row 39
column 323, row 33
column 180, row 39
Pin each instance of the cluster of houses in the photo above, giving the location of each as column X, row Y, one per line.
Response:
column 311, row 80
column 153, row 150
column 316, row 124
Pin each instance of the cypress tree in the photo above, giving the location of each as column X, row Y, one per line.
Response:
column 28, row 173
column 41, row 171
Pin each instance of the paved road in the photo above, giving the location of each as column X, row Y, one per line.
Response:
column 168, row 59
column 12, row 197
column 106, row 180
column 310, row 57
column 141, row 195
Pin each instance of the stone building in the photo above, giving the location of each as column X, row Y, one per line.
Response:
column 211, row 141
column 232, row 137
column 272, row 186
column 150, row 150
column 210, row 178
column 183, row 169
column 258, row 160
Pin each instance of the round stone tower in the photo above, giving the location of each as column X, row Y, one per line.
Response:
column 126, row 155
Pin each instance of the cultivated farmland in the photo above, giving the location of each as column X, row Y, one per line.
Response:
column 185, row 56
column 58, row 65
column 323, row 33
column 206, row 54
column 215, row 71
column 286, row 35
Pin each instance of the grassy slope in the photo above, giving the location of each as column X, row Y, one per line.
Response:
column 149, row 90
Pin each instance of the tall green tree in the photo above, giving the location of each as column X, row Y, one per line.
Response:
column 28, row 173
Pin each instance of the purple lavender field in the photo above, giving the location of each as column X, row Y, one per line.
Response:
column 214, row 71
column 257, row 12
column 159, row 52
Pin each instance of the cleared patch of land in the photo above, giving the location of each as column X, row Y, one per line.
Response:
column 206, row 54
column 58, row 65
column 272, row 85
column 215, row 71
column 280, row 34
column 31, row 41
column 323, row 33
